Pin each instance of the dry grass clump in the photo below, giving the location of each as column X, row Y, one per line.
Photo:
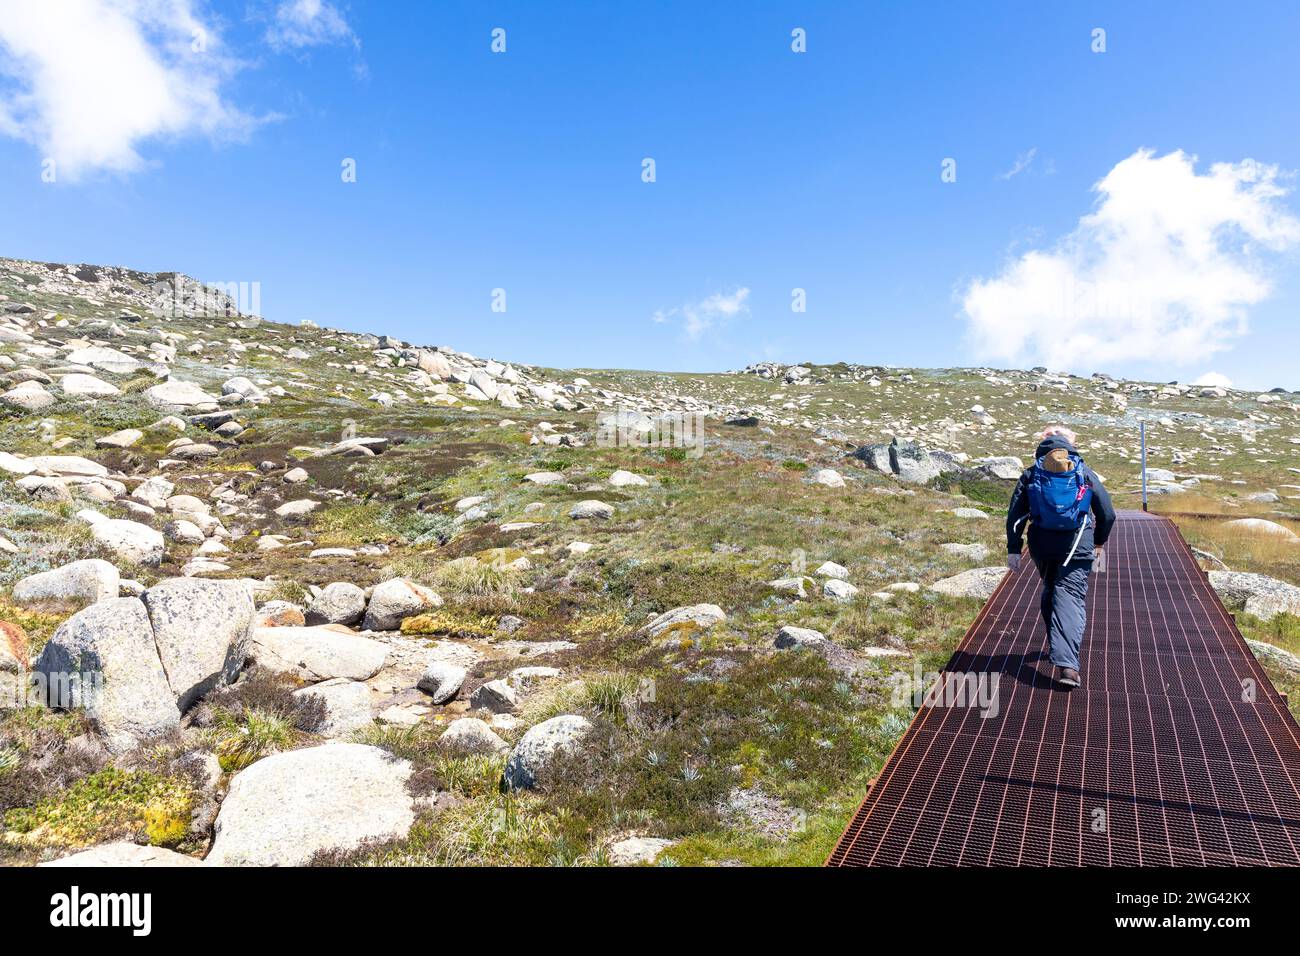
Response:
column 474, row 576
column 1245, row 548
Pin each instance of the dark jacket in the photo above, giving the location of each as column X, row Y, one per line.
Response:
column 1055, row 545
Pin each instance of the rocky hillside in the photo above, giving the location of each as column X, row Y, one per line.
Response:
column 299, row 595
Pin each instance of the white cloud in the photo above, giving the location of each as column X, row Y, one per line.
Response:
column 1023, row 162
column 304, row 23
column 1164, row 268
column 89, row 80
column 1213, row 380
column 696, row 318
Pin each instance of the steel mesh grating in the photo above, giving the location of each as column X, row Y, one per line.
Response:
column 1177, row 751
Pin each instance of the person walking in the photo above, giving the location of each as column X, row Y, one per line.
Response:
column 1069, row 515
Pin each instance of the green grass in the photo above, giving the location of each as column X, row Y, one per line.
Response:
column 110, row 804
column 240, row 741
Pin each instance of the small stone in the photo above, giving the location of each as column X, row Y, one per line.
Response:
column 624, row 479
column 394, row 601
column 976, row 583
column 442, row 681
column 637, row 851
column 686, row 620
column 591, row 509
column 790, row 637
column 87, row 386
column 340, row 602
column 838, row 590
column 545, row 478
column 496, row 696
column 279, row 614
column 296, row 509
column 539, row 746
column 828, row 477
column 347, row 706
column 469, row 735
column 123, row 439
column 29, row 396
column 87, row 581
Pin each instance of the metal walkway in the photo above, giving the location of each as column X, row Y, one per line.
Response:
column 1176, row 751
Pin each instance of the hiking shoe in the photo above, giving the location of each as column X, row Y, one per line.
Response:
column 1068, row 677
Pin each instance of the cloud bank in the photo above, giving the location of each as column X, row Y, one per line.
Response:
column 87, row 80
column 1165, row 268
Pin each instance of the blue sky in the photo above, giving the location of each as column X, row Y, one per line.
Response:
column 774, row 170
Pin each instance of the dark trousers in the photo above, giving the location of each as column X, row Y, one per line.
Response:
column 1065, row 588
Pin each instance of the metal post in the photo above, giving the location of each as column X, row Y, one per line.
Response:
column 1143, row 427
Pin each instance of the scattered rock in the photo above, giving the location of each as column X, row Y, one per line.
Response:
column 790, row 637
column 469, row 735
column 1004, row 468
column 828, row 477
column 296, row 509
column 496, row 696
column 87, row 386
column 154, row 492
column 591, row 509
column 183, row 532
column 545, row 478
column 1276, row 656
column 442, row 681
column 1256, row 594
column 829, row 569
column 347, row 706
column 318, row 654
column 287, row 807
column 338, row 603
column 106, row 360
column 624, row 479
column 975, row 583
column 838, row 590
column 975, row 552
column 798, row 586
column 394, row 601
column 279, row 614
column 178, row 396
column 122, row 439
column 535, row 749
column 132, row 700
column 685, row 621
column 637, row 851
column 202, row 630
column 29, row 396
column 905, row 460
column 124, row 855
column 131, row 541
column 85, row 581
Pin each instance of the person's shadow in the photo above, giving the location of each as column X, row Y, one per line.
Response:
column 1023, row 667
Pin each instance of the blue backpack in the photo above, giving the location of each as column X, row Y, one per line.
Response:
column 1059, row 501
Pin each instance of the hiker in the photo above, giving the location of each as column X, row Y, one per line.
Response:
column 1069, row 516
